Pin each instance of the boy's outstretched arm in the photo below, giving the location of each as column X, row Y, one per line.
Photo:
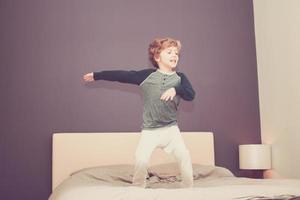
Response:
column 185, row 89
column 132, row 77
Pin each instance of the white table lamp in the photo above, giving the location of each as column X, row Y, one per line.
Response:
column 255, row 156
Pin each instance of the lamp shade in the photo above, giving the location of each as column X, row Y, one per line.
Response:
column 255, row 156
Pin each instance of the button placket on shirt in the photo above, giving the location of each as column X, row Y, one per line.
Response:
column 164, row 78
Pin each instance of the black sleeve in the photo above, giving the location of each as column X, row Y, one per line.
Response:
column 185, row 89
column 132, row 76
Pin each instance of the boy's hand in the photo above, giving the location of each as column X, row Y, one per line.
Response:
column 88, row 77
column 168, row 94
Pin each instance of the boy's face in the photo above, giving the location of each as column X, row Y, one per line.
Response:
column 168, row 57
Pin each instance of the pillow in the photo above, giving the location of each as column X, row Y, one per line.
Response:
column 115, row 175
column 163, row 175
column 199, row 171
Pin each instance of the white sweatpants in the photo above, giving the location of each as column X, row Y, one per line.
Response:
column 170, row 140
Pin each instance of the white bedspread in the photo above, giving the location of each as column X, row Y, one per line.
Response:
column 210, row 183
column 238, row 189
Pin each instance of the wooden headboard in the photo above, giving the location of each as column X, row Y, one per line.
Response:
column 74, row 151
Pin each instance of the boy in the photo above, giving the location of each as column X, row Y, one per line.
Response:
column 162, row 89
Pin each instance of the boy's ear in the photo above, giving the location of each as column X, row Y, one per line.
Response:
column 157, row 58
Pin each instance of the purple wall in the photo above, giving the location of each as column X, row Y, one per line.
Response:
column 46, row 47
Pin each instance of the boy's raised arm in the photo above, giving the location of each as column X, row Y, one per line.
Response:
column 123, row 76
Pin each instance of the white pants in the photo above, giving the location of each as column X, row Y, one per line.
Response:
column 170, row 140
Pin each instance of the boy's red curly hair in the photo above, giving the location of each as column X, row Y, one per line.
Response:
column 160, row 44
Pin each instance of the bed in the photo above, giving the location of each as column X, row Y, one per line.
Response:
column 90, row 166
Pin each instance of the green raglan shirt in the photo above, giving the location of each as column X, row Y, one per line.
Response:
column 156, row 113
